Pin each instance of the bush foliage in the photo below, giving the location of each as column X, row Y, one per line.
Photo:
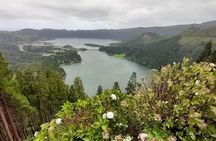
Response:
column 180, row 105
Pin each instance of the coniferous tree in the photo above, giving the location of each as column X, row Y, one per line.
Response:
column 72, row 94
column 116, row 86
column 77, row 90
column 45, row 91
column 4, row 71
column 132, row 84
column 205, row 55
column 58, row 91
column 78, row 85
column 13, row 105
column 3, row 74
column 99, row 90
column 213, row 57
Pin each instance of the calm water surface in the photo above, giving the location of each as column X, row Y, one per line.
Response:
column 98, row 68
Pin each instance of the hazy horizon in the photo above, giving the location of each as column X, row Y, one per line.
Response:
column 105, row 28
column 94, row 14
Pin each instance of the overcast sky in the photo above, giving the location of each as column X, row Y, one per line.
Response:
column 98, row 14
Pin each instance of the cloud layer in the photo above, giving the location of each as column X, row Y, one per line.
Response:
column 97, row 14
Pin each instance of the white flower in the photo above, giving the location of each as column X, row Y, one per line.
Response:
column 113, row 96
column 105, row 135
column 35, row 134
column 171, row 138
column 58, row 120
column 104, row 116
column 157, row 117
column 50, row 129
column 181, row 92
column 118, row 138
column 195, row 115
column 128, row 138
column 196, row 93
column 119, row 124
column 197, row 82
column 192, row 135
column 212, row 64
column 110, row 115
column 143, row 137
column 174, row 63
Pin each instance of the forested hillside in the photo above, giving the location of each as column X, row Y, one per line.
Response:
column 9, row 37
column 156, row 51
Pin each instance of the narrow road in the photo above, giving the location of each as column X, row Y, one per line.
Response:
column 21, row 48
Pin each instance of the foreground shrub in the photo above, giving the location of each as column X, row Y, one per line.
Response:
column 182, row 102
column 99, row 118
column 180, row 105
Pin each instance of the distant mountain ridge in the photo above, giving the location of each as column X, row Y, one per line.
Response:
column 9, row 37
column 116, row 34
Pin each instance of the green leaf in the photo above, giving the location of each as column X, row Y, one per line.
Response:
column 104, row 126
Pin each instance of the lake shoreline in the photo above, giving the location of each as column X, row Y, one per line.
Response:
column 99, row 68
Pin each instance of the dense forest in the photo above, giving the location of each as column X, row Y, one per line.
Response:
column 30, row 98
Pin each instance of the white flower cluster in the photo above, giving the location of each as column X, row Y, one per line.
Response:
column 35, row 134
column 58, row 121
column 212, row 65
column 109, row 115
column 119, row 124
column 105, row 135
column 143, row 137
column 197, row 82
column 113, row 96
column 119, row 138
column 128, row 138
column 171, row 138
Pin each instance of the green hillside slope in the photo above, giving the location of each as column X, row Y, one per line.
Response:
column 156, row 51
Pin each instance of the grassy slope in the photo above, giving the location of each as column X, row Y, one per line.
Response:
column 120, row 56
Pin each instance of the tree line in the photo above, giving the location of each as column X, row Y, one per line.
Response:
column 29, row 98
column 208, row 55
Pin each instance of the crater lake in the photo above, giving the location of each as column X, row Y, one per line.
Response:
column 98, row 68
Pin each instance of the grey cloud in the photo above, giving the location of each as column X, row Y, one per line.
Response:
column 79, row 12
column 95, row 14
